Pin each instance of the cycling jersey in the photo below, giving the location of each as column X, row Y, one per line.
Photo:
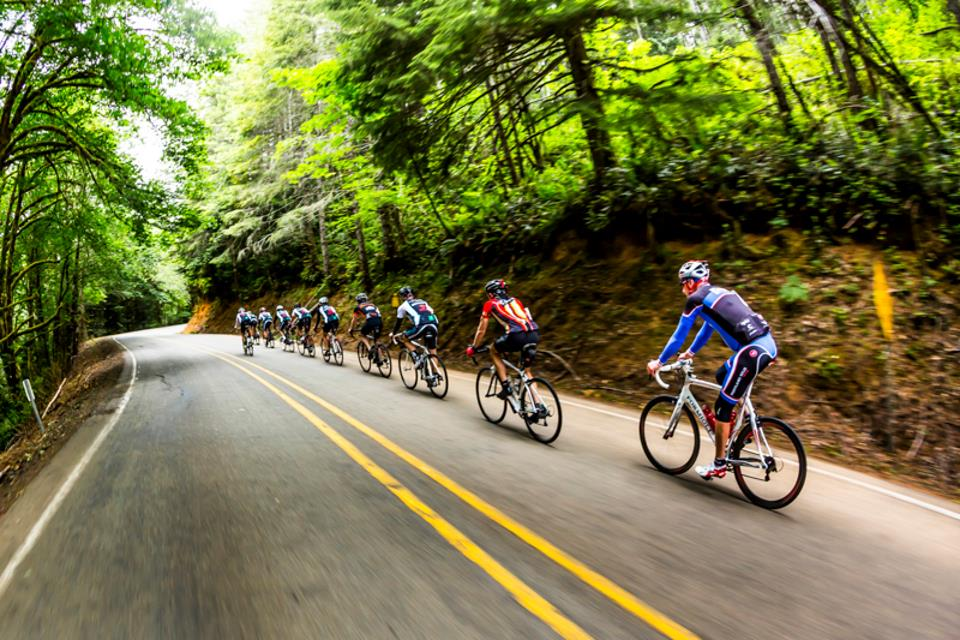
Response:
column 265, row 318
column 367, row 310
column 723, row 311
column 419, row 312
column 510, row 313
column 328, row 313
column 283, row 317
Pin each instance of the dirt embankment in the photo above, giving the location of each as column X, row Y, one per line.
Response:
column 889, row 406
column 94, row 375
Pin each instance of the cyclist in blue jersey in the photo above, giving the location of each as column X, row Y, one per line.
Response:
column 283, row 317
column 425, row 325
column 744, row 331
column 265, row 319
column 246, row 321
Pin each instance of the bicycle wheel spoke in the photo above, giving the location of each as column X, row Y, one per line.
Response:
column 773, row 466
column 669, row 438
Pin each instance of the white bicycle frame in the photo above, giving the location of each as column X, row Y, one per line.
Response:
column 525, row 381
column 686, row 398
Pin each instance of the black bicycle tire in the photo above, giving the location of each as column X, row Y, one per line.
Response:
column 674, row 471
column 405, row 357
column 338, row 352
column 444, row 380
column 362, row 354
column 503, row 413
column 801, row 462
column 540, row 382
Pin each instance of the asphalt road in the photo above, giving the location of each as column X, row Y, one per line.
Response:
column 222, row 505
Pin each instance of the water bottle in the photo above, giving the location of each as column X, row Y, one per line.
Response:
column 711, row 419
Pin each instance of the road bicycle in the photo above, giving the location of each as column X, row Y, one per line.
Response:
column 420, row 364
column 305, row 344
column 532, row 398
column 334, row 351
column 248, row 344
column 378, row 355
column 764, row 453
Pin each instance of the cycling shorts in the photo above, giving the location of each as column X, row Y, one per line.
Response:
column 738, row 373
column 372, row 328
column 267, row 323
column 304, row 322
column 426, row 332
column 332, row 326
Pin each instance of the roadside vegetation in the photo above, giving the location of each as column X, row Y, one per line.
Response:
column 85, row 243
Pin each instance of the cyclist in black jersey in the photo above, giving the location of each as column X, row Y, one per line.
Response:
column 744, row 331
column 372, row 323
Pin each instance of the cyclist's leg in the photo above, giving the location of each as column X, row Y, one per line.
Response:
column 742, row 370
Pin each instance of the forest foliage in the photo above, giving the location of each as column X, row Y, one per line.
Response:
column 365, row 138
column 85, row 239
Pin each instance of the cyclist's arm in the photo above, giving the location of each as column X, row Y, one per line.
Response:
column 706, row 331
column 481, row 330
column 679, row 335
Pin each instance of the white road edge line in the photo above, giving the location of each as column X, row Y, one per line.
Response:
column 7, row 576
column 837, row 476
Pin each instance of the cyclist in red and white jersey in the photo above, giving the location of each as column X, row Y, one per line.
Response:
column 520, row 328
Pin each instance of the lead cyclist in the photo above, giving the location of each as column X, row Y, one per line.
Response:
column 744, row 331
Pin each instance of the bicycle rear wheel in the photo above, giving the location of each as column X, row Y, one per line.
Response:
column 540, row 410
column 385, row 366
column 337, row 349
column 671, row 448
column 364, row 357
column 440, row 383
column 488, row 386
column 408, row 370
column 776, row 463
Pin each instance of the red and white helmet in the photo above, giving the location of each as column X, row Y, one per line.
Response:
column 694, row 270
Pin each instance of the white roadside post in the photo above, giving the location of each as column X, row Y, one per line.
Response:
column 28, row 389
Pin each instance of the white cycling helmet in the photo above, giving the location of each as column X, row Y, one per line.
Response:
column 279, row 307
column 694, row 270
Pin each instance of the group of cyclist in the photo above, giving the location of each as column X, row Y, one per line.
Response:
column 723, row 311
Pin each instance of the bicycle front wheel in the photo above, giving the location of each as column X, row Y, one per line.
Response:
column 488, row 386
column 440, row 384
column 364, row 356
column 771, row 469
column 540, row 410
column 671, row 447
column 408, row 370
column 385, row 366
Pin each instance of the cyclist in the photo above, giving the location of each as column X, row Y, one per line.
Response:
column 266, row 322
column 301, row 318
column 283, row 317
column 743, row 330
column 246, row 322
column 372, row 324
column 520, row 328
column 330, row 319
column 424, row 320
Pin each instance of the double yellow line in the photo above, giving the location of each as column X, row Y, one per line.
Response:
column 524, row 595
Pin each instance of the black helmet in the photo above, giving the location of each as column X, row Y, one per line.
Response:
column 362, row 297
column 496, row 287
column 323, row 300
column 296, row 306
column 405, row 291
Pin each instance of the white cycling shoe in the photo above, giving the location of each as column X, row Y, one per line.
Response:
column 716, row 469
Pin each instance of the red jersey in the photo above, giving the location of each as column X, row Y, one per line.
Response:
column 511, row 313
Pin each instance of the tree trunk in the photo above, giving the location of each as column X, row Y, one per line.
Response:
column 768, row 53
column 501, row 134
column 953, row 6
column 324, row 245
column 362, row 254
column 591, row 108
column 389, row 235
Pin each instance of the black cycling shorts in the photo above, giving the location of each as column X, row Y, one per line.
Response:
column 515, row 341
column 736, row 375
column 372, row 328
column 331, row 327
column 304, row 322
column 426, row 332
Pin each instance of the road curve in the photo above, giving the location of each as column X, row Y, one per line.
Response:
column 281, row 497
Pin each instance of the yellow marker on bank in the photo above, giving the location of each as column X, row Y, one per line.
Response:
column 882, row 299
